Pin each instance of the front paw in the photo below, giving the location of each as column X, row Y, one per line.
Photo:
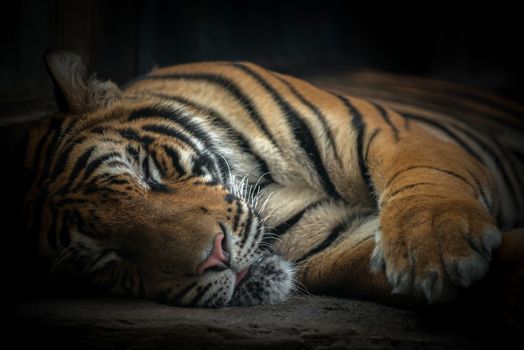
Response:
column 431, row 247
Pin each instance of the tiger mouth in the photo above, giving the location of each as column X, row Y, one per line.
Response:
column 241, row 275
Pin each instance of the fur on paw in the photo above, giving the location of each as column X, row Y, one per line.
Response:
column 431, row 247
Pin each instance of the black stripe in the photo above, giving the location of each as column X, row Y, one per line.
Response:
column 324, row 244
column 175, row 159
column 154, row 157
column 332, row 237
column 501, row 161
column 158, row 187
column 517, row 193
column 448, row 172
column 174, row 115
column 197, row 298
column 80, row 164
column 100, row 130
column 247, row 228
column 360, row 127
column 285, row 226
column 183, row 292
column 167, row 131
column 483, row 195
column 300, row 130
column 202, row 165
column 448, row 106
column 145, row 167
column 91, row 187
column 211, row 114
column 237, row 215
column 402, row 189
column 211, row 183
column 447, row 131
column 370, row 140
column 191, row 128
column 320, row 116
column 219, row 121
column 227, row 84
column 385, row 115
column 63, row 157
column 116, row 163
column 132, row 135
column 258, row 232
column 488, row 149
column 133, row 153
column 517, row 115
column 95, row 164
column 95, row 182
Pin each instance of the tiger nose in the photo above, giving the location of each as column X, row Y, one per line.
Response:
column 218, row 258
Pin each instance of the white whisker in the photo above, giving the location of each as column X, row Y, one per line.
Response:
column 261, row 176
column 273, row 237
column 265, row 202
column 259, row 195
column 244, row 187
column 255, row 188
column 230, row 175
column 268, row 215
column 64, row 254
column 299, row 286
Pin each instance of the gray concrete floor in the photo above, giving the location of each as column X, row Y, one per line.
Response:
column 303, row 322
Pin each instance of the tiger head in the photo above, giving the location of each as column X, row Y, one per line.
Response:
column 155, row 216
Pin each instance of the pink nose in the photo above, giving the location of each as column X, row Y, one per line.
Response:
column 217, row 258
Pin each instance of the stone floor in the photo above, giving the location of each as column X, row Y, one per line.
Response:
column 303, row 322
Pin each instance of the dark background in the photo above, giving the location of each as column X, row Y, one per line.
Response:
column 121, row 39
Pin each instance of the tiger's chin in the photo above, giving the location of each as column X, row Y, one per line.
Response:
column 268, row 281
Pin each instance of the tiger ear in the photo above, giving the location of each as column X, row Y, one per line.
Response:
column 77, row 91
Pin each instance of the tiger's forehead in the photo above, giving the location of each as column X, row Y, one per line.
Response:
column 115, row 159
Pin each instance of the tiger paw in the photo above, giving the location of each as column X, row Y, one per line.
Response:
column 429, row 248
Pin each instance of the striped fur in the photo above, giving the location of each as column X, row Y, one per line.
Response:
column 365, row 197
column 488, row 127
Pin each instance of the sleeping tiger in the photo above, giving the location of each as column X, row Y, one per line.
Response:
column 216, row 184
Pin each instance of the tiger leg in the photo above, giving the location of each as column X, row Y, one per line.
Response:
column 436, row 205
column 344, row 268
column 331, row 243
